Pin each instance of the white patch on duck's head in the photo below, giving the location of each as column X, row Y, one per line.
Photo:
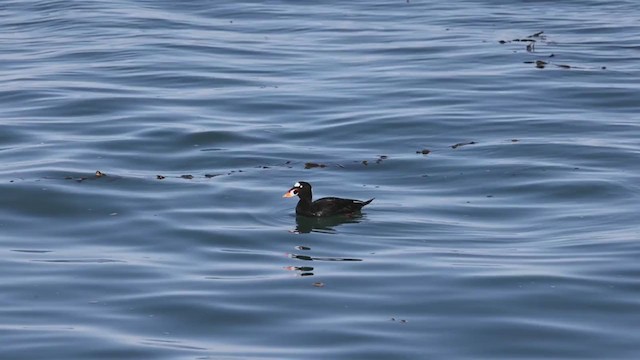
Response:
column 297, row 185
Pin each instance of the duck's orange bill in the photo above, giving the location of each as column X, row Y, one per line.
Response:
column 289, row 194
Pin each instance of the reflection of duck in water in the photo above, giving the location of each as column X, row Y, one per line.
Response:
column 324, row 224
column 328, row 206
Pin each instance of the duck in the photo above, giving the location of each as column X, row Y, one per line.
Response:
column 325, row 207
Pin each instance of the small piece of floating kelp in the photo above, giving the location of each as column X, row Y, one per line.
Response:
column 539, row 38
column 529, row 40
column 314, row 258
column 541, row 64
column 455, row 146
column 97, row 174
column 381, row 158
column 423, row 151
column 402, row 321
column 311, row 165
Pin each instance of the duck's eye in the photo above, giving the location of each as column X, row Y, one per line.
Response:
column 295, row 192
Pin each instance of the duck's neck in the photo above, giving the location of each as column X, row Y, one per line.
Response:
column 305, row 202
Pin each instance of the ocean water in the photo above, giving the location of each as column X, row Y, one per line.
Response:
column 499, row 139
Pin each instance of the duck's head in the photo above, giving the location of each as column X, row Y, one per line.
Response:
column 301, row 189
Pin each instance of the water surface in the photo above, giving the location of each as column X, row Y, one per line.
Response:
column 520, row 242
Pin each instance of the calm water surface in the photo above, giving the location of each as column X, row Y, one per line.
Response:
column 521, row 242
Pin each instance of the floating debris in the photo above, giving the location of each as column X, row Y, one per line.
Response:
column 188, row 177
column 535, row 39
column 311, row 165
column 318, row 284
column 424, row 151
column 365, row 162
column 380, row 158
column 160, row 177
column 531, row 47
column 301, row 257
column 300, row 247
column 529, row 39
column 541, row 64
column 298, row 268
column 209, row 176
column 402, row 321
column 462, row 144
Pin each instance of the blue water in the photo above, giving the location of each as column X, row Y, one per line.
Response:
column 520, row 243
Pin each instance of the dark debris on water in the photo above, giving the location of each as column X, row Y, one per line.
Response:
column 97, row 174
column 311, row 165
column 378, row 161
column 402, row 321
column 531, row 39
column 531, row 42
column 455, row 146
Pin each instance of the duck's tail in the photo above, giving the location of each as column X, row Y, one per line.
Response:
column 364, row 203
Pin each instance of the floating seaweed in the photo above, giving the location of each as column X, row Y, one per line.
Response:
column 532, row 41
column 311, row 165
column 541, row 64
column 455, row 146
column 402, row 321
column 381, row 158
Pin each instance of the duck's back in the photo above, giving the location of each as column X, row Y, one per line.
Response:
column 330, row 206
